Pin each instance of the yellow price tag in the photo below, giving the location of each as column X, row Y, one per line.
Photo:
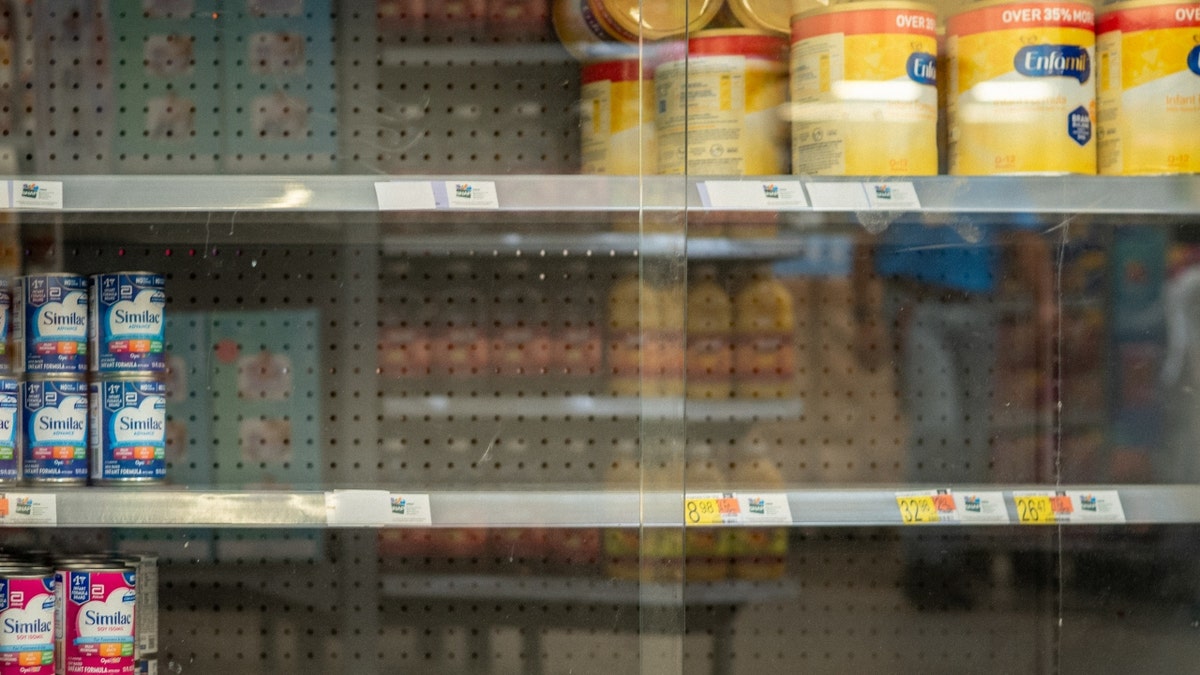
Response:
column 1034, row 509
column 917, row 510
column 710, row 511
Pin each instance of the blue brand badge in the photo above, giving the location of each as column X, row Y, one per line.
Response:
column 463, row 190
column 974, row 503
column 29, row 190
column 1054, row 61
column 758, row 505
column 770, row 190
column 80, row 587
column 3, row 594
column 1194, row 60
column 922, row 68
column 883, row 192
column 1079, row 125
column 399, row 505
column 1088, row 502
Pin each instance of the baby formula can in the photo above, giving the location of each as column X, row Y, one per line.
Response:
column 54, row 424
column 1149, row 87
column 774, row 16
column 27, row 615
column 5, row 324
column 125, row 324
column 603, row 29
column 617, row 118
column 10, row 450
column 1021, row 94
column 864, row 90
column 719, row 105
column 95, row 631
column 50, row 323
column 128, row 419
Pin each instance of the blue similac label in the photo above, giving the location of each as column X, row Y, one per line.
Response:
column 130, row 438
column 52, row 314
column 1079, row 125
column 127, row 321
column 1193, row 60
column 922, row 68
column 9, row 452
column 54, row 445
column 1054, row 61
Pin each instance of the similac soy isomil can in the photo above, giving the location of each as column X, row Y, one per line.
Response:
column 50, row 323
column 1021, row 91
column 1148, row 54
column 27, row 613
column 719, row 105
column 125, row 322
column 617, row 118
column 128, row 421
column 95, row 631
column 864, row 90
column 54, row 426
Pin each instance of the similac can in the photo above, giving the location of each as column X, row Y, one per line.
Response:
column 1021, row 97
column 10, row 446
column 50, row 323
column 719, row 105
column 1149, row 87
column 27, row 609
column 603, row 29
column 54, row 424
column 864, row 90
column 617, row 118
column 128, row 419
column 125, row 322
column 95, row 631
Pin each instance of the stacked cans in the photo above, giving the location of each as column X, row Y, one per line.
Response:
column 65, row 327
column 76, row 614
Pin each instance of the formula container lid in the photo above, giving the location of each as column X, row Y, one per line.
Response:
column 766, row 15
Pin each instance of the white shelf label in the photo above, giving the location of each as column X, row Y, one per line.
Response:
column 838, row 196
column 892, row 196
column 729, row 508
column 753, row 196
column 374, row 508
column 39, row 194
column 1047, row 507
column 981, row 507
column 21, row 509
column 405, row 196
column 480, row 194
column 926, row 507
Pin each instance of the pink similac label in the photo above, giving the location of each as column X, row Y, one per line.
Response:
column 27, row 626
column 98, row 622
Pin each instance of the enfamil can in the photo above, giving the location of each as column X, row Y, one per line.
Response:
column 1021, row 91
column 617, row 118
column 864, row 90
column 1149, row 87
column 719, row 105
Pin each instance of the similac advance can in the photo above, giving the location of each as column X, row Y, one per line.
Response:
column 10, row 446
column 1149, row 87
column 864, row 90
column 125, row 323
column 1021, row 94
column 617, row 118
column 50, row 323
column 54, row 417
column 719, row 105
column 27, row 602
column 94, row 635
column 603, row 29
column 128, row 419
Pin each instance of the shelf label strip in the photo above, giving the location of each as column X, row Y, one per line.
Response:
column 376, row 508
column 729, row 508
column 752, row 195
column 943, row 506
column 18, row 509
column 887, row 196
column 1052, row 507
column 436, row 195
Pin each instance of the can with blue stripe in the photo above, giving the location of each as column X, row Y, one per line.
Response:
column 125, row 325
column 128, row 421
column 50, row 323
column 10, row 451
column 54, row 438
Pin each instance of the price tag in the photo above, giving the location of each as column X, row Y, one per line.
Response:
column 981, row 507
column 374, row 508
column 892, row 196
column 838, row 196
column 711, row 509
column 410, row 509
column 1042, row 508
column 18, row 509
column 405, row 196
column 1094, row 506
column 466, row 194
column 751, row 195
column 926, row 507
column 765, row 509
column 39, row 194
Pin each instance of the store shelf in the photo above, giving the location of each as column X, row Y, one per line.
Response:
column 597, row 245
column 569, row 194
column 590, row 406
column 850, row 507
